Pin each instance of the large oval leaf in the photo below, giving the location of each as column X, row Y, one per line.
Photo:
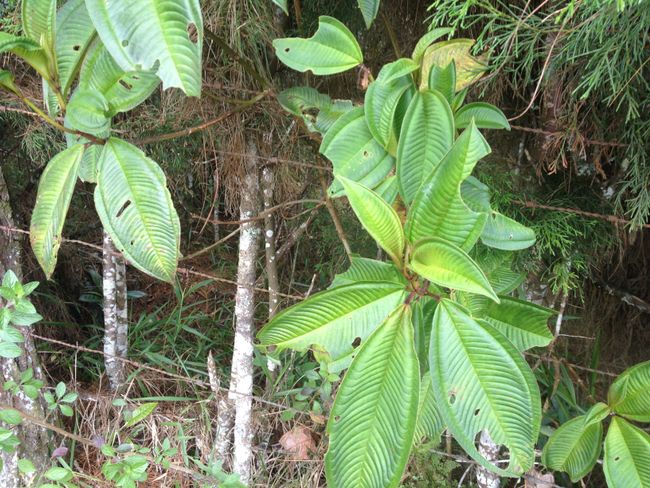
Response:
column 39, row 21
column 426, row 136
column 629, row 395
column 447, row 265
column 468, row 68
column 372, row 421
column 332, row 49
column 524, row 323
column 136, row 209
column 485, row 115
column 574, row 448
column 481, row 382
column 383, row 96
column 365, row 269
column 438, row 209
column 354, row 153
column 333, row 319
column 75, row 32
column 430, row 424
column 627, row 456
column 377, row 217
column 145, row 34
column 123, row 91
column 52, row 201
column 501, row 232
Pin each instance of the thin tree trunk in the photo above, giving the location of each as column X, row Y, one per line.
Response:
column 34, row 439
column 116, row 327
column 490, row 451
column 268, row 186
column 241, row 377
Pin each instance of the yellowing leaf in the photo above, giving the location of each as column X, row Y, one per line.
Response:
column 468, row 68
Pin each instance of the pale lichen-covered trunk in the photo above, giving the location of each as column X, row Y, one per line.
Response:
column 241, row 379
column 268, row 186
column 116, row 327
column 490, row 451
column 34, row 439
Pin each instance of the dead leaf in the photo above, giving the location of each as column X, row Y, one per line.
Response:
column 298, row 441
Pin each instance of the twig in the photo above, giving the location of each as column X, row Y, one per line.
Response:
column 609, row 218
column 335, row 218
column 549, row 133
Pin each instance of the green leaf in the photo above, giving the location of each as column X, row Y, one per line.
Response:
column 66, row 410
column 354, row 153
column 59, row 474
column 481, row 382
column 39, row 20
column 388, row 189
column 430, row 424
column 283, row 5
column 627, row 456
column 629, row 395
column 10, row 350
column 468, row 68
column 88, row 111
column 52, row 201
column 574, row 448
column 382, row 98
column 372, row 422
column 501, row 232
column 26, row 466
column 365, row 269
column 524, row 323
column 426, row 40
column 377, row 217
column 333, row 319
column 426, row 136
column 476, row 195
column 332, row 49
column 28, row 50
column 597, row 413
column 136, row 209
column 303, row 101
column 11, row 416
column 141, row 413
column 438, row 209
column 75, row 32
column 485, row 115
column 369, row 9
column 123, row 91
column 7, row 81
column 444, row 80
column 143, row 35
column 60, row 389
column 447, row 265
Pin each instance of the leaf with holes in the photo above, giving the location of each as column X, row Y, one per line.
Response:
column 333, row 319
column 430, row 424
column 501, row 232
column 377, row 217
column 447, row 265
column 481, row 382
column 52, row 201
column 75, row 32
column 426, row 136
column 354, row 153
column 150, row 34
column 485, row 115
column 438, row 209
column 372, row 422
column 524, row 323
column 136, row 209
column 382, row 98
column 365, row 269
column 468, row 68
column 123, row 91
column 574, row 448
column 39, row 21
column 627, row 456
column 369, row 9
column 332, row 49
column 629, row 395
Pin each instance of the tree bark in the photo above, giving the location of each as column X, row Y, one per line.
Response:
column 268, row 186
column 241, row 377
column 34, row 439
column 116, row 327
column 490, row 451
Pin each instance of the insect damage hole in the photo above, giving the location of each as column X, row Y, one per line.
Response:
column 356, row 342
column 123, row 209
column 125, row 43
column 476, row 412
column 192, row 32
column 452, row 398
column 76, row 47
column 125, row 84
